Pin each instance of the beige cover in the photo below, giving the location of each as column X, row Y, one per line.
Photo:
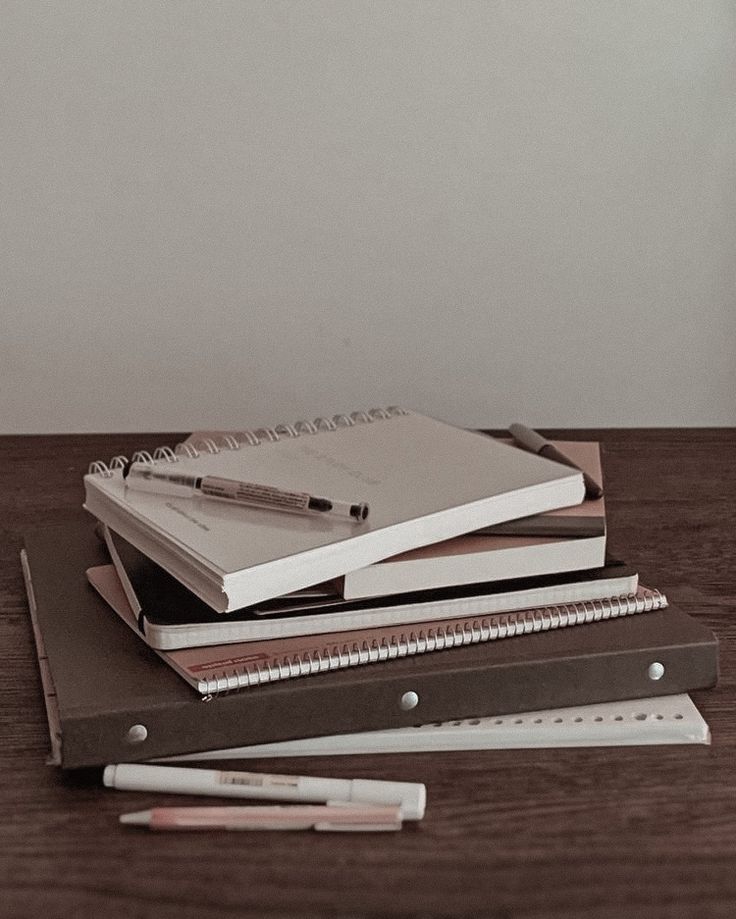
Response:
column 473, row 558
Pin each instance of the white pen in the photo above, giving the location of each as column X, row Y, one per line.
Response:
column 410, row 796
column 334, row 816
column 166, row 481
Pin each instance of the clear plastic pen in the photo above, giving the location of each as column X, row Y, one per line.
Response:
column 168, row 481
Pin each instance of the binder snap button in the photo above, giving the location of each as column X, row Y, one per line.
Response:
column 137, row 734
column 408, row 701
column 655, row 671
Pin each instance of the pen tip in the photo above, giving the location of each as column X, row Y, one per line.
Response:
column 137, row 818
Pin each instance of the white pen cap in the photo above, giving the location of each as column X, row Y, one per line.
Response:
column 411, row 796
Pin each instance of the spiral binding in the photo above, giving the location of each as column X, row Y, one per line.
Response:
column 247, row 438
column 408, row 643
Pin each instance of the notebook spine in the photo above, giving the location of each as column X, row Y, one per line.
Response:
column 236, row 440
column 408, row 643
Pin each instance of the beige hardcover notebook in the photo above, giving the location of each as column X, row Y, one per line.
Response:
column 222, row 668
column 510, row 550
column 424, row 481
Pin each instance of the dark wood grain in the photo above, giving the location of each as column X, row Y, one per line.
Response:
column 597, row 833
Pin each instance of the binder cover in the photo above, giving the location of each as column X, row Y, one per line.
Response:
column 110, row 699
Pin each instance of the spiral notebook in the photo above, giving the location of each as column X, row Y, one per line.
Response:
column 223, row 668
column 424, row 481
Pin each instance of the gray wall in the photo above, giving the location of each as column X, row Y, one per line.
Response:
column 234, row 213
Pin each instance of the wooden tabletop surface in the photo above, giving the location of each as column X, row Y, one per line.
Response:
column 597, row 833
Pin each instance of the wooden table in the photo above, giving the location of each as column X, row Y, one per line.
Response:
column 589, row 833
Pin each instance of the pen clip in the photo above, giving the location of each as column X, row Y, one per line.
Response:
column 326, row 826
column 391, row 814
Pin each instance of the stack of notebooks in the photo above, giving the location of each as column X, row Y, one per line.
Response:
column 477, row 588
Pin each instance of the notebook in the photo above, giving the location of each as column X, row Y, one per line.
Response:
column 111, row 699
column 170, row 616
column 223, row 668
column 659, row 721
column 501, row 552
column 423, row 480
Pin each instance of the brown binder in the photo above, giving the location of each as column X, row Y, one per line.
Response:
column 110, row 699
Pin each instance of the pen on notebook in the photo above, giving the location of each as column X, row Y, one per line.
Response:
column 145, row 477
column 535, row 443
column 410, row 796
column 326, row 817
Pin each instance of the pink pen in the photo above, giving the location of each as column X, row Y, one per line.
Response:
column 334, row 816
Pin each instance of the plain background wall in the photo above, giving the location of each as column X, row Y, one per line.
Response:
column 235, row 213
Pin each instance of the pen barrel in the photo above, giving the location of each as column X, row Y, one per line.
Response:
column 291, row 817
column 335, row 817
column 213, row 782
column 255, row 495
column 528, row 438
column 271, row 498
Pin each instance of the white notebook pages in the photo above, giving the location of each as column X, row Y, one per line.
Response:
column 424, row 481
column 662, row 720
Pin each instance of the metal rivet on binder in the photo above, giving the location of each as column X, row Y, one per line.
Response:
column 655, row 671
column 408, row 701
column 137, row 734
